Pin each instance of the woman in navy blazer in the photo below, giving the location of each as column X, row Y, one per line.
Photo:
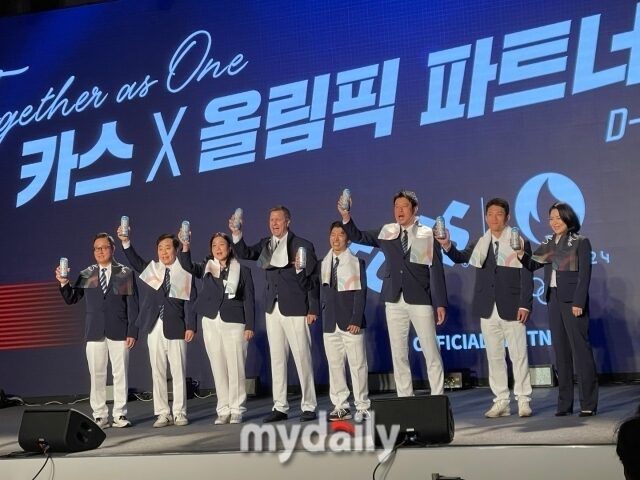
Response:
column 226, row 306
column 566, row 258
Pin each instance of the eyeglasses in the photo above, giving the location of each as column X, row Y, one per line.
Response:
column 99, row 249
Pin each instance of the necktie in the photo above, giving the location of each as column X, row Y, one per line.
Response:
column 167, row 281
column 166, row 286
column 405, row 241
column 334, row 274
column 495, row 250
column 103, row 280
column 274, row 245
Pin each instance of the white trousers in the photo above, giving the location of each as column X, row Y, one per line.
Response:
column 400, row 316
column 98, row 355
column 227, row 351
column 339, row 347
column 496, row 331
column 290, row 334
column 162, row 349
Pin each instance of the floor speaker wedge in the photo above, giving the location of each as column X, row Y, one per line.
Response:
column 62, row 430
column 426, row 420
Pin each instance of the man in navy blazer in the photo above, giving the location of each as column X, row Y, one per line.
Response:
column 413, row 286
column 343, row 296
column 291, row 299
column 111, row 301
column 167, row 317
column 502, row 298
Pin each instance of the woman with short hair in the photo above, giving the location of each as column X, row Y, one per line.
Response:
column 566, row 258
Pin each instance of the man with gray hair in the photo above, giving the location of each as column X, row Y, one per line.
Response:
column 291, row 302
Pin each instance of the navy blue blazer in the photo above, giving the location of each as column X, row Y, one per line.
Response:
column 298, row 294
column 344, row 308
column 213, row 299
column 178, row 314
column 508, row 288
column 110, row 315
column 419, row 284
column 572, row 287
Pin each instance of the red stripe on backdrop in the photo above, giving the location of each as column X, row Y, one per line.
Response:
column 34, row 315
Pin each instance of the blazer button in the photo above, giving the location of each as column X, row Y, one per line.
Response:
column 401, row 272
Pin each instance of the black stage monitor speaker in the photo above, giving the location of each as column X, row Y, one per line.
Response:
column 422, row 420
column 62, row 430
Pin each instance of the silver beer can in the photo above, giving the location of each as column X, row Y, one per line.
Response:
column 237, row 218
column 345, row 199
column 64, row 267
column 185, row 231
column 302, row 257
column 124, row 225
column 439, row 228
column 514, row 240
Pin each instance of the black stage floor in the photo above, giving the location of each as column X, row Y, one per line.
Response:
column 472, row 429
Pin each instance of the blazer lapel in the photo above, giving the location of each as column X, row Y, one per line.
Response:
column 490, row 261
column 291, row 256
column 264, row 260
column 115, row 270
column 219, row 284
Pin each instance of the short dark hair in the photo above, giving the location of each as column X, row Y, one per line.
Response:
column 498, row 202
column 628, row 447
column 409, row 195
column 170, row 236
column 283, row 209
column 225, row 237
column 104, row 235
column 337, row 224
column 567, row 215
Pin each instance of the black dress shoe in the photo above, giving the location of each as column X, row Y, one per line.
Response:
column 307, row 416
column 587, row 413
column 563, row 414
column 275, row 416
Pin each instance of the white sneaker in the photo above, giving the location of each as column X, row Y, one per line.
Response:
column 121, row 422
column 163, row 421
column 524, row 408
column 222, row 419
column 102, row 422
column 362, row 415
column 181, row 420
column 236, row 418
column 500, row 408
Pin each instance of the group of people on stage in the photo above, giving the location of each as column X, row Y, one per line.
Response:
column 299, row 288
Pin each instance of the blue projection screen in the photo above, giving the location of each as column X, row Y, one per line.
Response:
column 168, row 110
